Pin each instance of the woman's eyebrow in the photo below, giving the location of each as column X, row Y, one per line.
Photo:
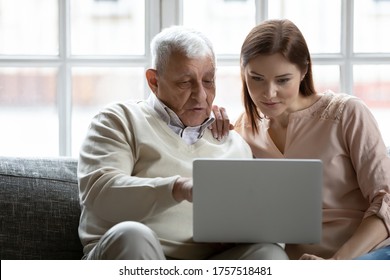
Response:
column 255, row 73
column 284, row 75
column 278, row 76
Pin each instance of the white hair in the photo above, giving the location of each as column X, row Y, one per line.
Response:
column 190, row 42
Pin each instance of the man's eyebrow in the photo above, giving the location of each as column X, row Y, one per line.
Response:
column 211, row 72
column 189, row 75
column 182, row 75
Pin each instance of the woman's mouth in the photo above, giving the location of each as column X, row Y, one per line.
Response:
column 270, row 104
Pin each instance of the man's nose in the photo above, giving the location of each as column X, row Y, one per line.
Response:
column 199, row 92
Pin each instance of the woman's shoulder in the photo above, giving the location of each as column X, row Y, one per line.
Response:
column 333, row 105
column 243, row 123
column 241, row 120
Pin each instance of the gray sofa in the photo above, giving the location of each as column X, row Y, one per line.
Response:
column 39, row 209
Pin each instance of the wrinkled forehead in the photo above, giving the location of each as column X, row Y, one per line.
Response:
column 181, row 64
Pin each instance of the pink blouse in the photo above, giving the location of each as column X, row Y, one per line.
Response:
column 340, row 130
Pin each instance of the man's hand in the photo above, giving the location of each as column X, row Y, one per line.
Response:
column 220, row 128
column 182, row 189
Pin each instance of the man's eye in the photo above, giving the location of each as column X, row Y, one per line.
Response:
column 184, row 84
column 208, row 82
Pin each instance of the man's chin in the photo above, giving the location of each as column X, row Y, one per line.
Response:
column 195, row 121
column 194, row 117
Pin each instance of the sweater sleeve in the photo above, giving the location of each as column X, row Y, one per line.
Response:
column 105, row 172
column 369, row 158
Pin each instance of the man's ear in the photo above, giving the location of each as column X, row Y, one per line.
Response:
column 151, row 77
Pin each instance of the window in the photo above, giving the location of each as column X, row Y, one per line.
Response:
column 72, row 57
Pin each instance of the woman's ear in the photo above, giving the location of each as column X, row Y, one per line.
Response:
column 151, row 77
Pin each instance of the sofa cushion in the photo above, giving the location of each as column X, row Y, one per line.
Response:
column 39, row 208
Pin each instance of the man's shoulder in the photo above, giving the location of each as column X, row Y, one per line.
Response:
column 237, row 140
column 233, row 138
column 123, row 106
column 126, row 109
column 236, row 136
column 130, row 113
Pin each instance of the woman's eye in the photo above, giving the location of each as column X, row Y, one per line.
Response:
column 257, row 79
column 283, row 81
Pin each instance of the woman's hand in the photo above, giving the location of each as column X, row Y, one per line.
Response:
column 370, row 233
column 310, row 257
column 220, row 128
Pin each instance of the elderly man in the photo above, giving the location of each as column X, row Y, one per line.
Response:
column 135, row 164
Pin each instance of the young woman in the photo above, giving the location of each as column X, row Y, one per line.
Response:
column 286, row 118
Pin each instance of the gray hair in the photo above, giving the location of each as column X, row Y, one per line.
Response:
column 190, row 42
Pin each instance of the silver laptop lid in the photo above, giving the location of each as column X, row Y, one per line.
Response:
column 257, row 200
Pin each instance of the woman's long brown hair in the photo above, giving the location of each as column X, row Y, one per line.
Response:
column 268, row 38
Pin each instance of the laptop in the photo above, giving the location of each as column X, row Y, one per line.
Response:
column 257, row 200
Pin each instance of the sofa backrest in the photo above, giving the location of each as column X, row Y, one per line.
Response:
column 40, row 208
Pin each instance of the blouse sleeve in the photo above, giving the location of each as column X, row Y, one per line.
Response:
column 369, row 157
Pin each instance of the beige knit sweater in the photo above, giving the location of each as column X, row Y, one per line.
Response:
column 127, row 166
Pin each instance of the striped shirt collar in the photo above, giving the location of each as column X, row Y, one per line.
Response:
column 190, row 134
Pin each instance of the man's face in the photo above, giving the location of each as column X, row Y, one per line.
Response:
column 187, row 87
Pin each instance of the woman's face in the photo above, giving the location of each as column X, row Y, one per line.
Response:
column 273, row 84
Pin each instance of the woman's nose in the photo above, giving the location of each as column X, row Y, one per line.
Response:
column 270, row 91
